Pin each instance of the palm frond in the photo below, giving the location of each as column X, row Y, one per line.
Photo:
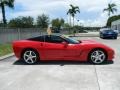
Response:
column 113, row 5
column 9, row 3
column 106, row 9
column 77, row 7
column 78, row 11
column 114, row 9
column 71, row 6
column 69, row 11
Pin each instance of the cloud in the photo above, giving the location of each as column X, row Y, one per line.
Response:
column 91, row 10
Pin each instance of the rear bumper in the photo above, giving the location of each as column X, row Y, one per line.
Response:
column 17, row 52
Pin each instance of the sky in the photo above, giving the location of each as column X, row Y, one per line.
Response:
column 91, row 11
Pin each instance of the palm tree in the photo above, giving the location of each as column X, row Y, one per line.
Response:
column 69, row 13
column 3, row 3
column 110, row 9
column 72, row 11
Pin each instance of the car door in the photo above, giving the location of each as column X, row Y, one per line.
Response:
column 72, row 51
column 53, row 48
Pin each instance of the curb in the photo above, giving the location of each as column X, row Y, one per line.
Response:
column 6, row 56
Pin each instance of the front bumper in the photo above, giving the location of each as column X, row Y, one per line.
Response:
column 109, row 35
column 111, row 55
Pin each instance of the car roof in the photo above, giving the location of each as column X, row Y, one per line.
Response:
column 54, row 34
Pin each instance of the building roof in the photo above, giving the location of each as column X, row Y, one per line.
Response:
column 116, row 22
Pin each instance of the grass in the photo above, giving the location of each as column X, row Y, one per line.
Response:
column 5, row 49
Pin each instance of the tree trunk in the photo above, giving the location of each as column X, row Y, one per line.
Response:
column 73, row 27
column 3, row 14
column 73, row 21
column 109, row 14
column 70, row 20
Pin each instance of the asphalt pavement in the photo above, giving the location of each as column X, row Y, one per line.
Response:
column 15, row 75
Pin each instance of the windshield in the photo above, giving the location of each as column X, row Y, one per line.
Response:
column 70, row 40
column 108, row 31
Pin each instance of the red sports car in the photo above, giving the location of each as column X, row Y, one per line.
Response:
column 59, row 47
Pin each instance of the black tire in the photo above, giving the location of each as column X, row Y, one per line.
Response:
column 30, row 58
column 115, row 37
column 100, row 36
column 103, row 37
column 97, row 58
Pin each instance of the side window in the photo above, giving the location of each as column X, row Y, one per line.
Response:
column 40, row 38
column 47, row 39
column 54, row 39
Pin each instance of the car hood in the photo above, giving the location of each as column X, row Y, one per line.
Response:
column 95, row 44
column 90, row 42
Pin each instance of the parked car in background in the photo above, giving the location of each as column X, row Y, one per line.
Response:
column 55, row 30
column 117, row 31
column 83, row 31
column 108, row 33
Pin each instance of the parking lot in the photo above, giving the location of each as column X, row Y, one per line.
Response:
column 15, row 75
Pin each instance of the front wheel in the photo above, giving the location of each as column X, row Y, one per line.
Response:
column 97, row 56
column 115, row 37
column 30, row 57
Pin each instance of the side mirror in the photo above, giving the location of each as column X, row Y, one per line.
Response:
column 65, row 43
column 79, row 41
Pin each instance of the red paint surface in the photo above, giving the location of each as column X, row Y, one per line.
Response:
column 54, row 51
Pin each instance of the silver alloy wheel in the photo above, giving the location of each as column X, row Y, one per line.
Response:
column 30, row 57
column 98, row 56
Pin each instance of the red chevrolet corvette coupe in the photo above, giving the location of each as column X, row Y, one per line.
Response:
column 59, row 47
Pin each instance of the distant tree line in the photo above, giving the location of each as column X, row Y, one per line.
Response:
column 21, row 22
column 57, row 23
column 42, row 21
column 86, row 28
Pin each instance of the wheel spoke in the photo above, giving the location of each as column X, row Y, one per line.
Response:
column 93, row 57
column 31, row 60
column 27, row 59
column 26, row 55
column 102, row 55
column 100, row 59
column 30, row 53
column 96, row 60
column 33, row 56
column 96, row 53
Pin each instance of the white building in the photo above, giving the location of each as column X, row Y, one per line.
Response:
column 116, row 25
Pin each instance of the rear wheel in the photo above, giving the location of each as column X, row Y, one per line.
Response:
column 30, row 56
column 97, row 56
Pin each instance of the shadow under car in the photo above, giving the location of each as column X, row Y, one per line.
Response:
column 60, row 62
